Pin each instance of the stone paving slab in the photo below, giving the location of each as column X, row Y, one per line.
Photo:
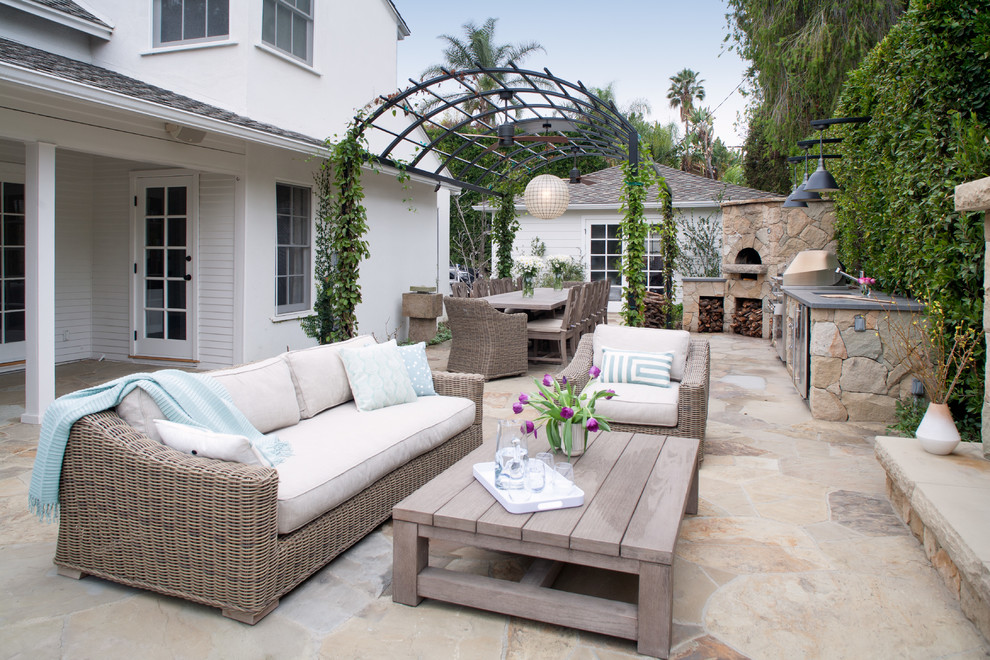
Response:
column 795, row 553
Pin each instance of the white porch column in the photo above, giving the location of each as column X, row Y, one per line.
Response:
column 39, row 248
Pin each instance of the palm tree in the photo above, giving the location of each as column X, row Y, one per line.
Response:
column 701, row 119
column 684, row 89
column 478, row 48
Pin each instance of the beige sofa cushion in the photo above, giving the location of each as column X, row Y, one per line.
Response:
column 263, row 391
column 341, row 451
column 319, row 377
column 637, row 404
column 645, row 340
column 140, row 411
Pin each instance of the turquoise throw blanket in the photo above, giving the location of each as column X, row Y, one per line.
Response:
column 194, row 399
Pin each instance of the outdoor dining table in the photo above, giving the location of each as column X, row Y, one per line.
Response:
column 545, row 299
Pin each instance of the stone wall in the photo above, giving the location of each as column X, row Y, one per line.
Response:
column 975, row 196
column 853, row 376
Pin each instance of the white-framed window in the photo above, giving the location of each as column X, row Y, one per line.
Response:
column 191, row 21
column 287, row 25
column 12, row 257
column 292, row 239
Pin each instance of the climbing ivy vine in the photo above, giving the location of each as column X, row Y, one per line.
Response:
column 634, row 231
column 340, row 243
column 505, row 224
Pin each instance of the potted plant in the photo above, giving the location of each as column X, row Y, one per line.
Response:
column 558, row 265
column 937, row 353
column 566, row 413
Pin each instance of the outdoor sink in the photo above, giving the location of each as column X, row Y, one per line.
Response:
column 849, row 296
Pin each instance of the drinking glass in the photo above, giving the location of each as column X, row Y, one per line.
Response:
column 511, row 454
column 565, row 476
column 546, row 458
column 536, row 476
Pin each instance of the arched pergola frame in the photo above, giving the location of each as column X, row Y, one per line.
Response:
column 530, row 103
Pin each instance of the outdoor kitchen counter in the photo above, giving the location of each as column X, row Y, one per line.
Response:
column 820, row 297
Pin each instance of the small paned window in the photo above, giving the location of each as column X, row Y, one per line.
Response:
column 288, row 26
column 191, row 21
column 292, row 271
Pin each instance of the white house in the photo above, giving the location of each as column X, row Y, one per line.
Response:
column 588, row 230
column 156, row 174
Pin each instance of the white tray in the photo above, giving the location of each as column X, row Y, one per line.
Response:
column 523, row 501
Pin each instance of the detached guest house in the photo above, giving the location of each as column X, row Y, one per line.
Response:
column 156, row 170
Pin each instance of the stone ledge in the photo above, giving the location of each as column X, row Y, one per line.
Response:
column 945, row 500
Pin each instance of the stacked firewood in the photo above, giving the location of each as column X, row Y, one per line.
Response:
column 711, row 314
column 748, row 317
column 653, row 310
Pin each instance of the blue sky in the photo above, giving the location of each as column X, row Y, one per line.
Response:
column 636, row 44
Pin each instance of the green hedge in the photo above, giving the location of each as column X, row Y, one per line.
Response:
column 927, row 88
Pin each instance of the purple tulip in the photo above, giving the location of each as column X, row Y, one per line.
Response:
column 566, row 413
column 523, row 398
column 592, row 425
column 547, row 380
column 610, row 394
column 517, row 407
column 529, row 427
column 594, row 372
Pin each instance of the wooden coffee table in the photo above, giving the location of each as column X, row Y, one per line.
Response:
column 637, row 489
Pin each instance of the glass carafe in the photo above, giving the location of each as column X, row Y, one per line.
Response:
column 511, row 454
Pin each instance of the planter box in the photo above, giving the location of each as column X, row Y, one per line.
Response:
column 422, row 305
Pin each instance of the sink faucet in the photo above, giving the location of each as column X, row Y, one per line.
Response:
column 862, row 281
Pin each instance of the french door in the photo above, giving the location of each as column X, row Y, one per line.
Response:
column 164, row 285
column 12, row 264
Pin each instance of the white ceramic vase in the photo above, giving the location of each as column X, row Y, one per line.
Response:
column 937, row 431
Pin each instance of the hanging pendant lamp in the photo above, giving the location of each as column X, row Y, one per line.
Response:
column 791, row 202
column 821, row 180
column 547, row 197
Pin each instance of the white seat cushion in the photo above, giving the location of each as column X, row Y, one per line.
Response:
column 644, row 340
column 341, row 451
column 637, row 404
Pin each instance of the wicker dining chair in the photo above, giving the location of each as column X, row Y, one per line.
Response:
column 460, row 290
column 484, row 340
column 482, row 287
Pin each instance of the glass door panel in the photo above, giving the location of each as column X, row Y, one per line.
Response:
column 165, row 268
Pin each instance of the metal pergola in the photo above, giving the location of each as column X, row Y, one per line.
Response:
column 524, row 120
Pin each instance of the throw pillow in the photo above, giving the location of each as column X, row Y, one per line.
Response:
column 635, row 367
column 208, row 444
column 418, row 367
column 377, row 375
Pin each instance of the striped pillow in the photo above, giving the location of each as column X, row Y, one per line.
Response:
column 636, row 368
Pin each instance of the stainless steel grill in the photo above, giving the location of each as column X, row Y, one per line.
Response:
column 812, row 268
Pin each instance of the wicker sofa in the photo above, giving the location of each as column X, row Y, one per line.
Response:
column 138, row 512
column 680, row 410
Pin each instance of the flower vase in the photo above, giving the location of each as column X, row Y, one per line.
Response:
column 937, row 431
column 566, row 434
column 528, row 285
column 558, row 281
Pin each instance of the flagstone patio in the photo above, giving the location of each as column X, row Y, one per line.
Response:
column 795, row 553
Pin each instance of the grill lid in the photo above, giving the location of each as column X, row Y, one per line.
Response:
column 812, row 268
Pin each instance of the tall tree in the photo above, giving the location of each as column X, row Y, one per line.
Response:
column 478, row 47
column 801, row 52
column 684, row 89
column 702, row 120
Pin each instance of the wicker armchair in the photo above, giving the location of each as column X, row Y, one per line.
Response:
column 484, row 340
column 692, row 406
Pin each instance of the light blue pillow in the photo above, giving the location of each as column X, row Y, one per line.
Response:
column 418, row 367
column 377, row 375
column 636, row 368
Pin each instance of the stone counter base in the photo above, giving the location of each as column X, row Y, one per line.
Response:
column 945, row 500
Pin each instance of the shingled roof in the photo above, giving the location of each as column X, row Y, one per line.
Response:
column 70, row 8
column 34, row 59
column 685, row 188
